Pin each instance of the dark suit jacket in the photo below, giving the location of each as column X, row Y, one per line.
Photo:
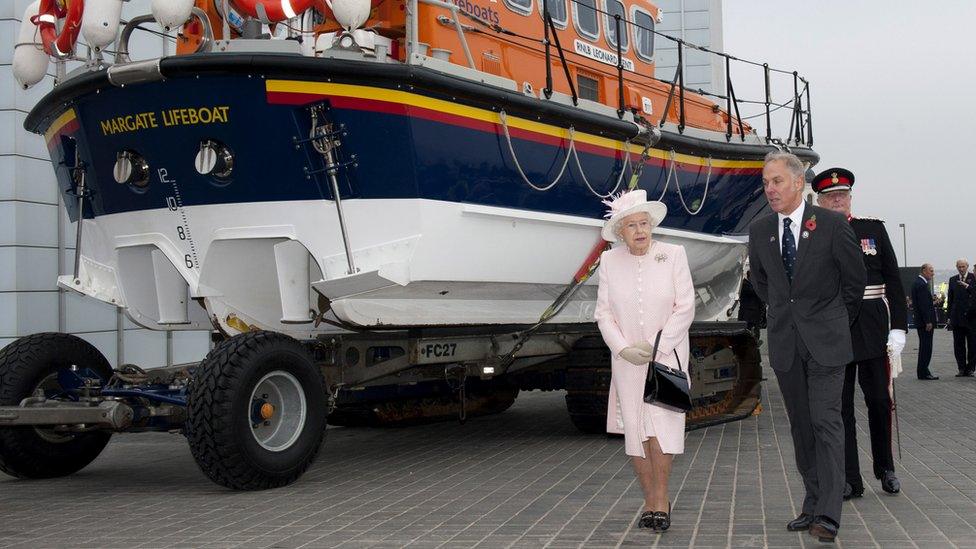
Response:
column 958, row 299
column 825, row 295
column 923, row 308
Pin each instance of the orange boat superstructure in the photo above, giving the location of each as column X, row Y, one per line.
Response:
column 507, row 38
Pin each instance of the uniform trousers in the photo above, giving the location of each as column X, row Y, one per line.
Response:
column 872, row 375
column 812, row 394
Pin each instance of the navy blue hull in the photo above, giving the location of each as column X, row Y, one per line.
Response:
column 400, row 156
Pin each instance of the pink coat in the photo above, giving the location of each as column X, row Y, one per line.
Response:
column 637, row 296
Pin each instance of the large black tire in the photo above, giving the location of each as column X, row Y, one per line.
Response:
column 587, row 391
column 29, row 452
column 588, row 385
column 220, row 412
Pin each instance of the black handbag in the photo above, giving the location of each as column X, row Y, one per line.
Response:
column 667, row 387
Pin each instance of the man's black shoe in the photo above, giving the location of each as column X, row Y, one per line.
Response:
column 968, row 374
column 801, row 522
column 928, row 377
column 850, row 492
column 890, row 483
column 824, row 530
column 961, row 374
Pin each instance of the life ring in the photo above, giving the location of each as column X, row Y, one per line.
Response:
column 274, row 10
column 57, row 44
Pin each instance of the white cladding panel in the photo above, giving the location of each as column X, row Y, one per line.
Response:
column 698, row 22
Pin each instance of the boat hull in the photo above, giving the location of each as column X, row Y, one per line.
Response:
column 445, row 210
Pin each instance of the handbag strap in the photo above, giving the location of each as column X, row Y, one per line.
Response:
column 657, row 341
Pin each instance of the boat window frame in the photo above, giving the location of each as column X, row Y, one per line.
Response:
column 517, row 8
column 634, row 10
column 608, row 21
column 596, row 17
column 562, row 25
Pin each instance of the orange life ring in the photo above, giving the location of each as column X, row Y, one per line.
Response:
column 276, row 10
column 61, row 44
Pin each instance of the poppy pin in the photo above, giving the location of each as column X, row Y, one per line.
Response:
column 811, row 224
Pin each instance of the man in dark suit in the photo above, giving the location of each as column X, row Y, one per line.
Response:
column 923, row 311
column 807, row 267
column 961, row 287
column 880, row 328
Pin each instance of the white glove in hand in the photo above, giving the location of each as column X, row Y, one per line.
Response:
column 896, row 341
column 635, row 356
column 645, row 346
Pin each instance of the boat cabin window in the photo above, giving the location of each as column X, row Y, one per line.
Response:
column 557, row 10
column 585, row 19
column 643, row 34
column 523, row 7
column 589, row 87
column 616, row 7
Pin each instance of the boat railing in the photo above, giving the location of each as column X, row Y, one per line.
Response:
column 801, row 118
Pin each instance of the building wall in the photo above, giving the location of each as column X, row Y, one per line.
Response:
column 698, row 22
column 37, row 240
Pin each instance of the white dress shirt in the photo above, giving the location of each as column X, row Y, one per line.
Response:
column 796, row 218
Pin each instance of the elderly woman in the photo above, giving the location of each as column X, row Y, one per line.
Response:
column 645, row 287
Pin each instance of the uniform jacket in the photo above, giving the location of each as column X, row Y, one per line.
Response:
column 877, row 317
column 825, row 294
column 637, row 296
column 923, row 308
column 958, row 299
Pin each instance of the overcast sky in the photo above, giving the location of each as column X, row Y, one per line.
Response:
column 893, row 87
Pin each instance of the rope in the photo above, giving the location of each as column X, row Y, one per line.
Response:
column 518, row 167
column 677, row 184
column 620, row 177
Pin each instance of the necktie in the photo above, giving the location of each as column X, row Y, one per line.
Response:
column 789, row 248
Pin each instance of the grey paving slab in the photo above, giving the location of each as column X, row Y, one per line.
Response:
column 524, row 478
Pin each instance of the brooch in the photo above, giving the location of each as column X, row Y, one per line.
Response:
column 660, row 257
column 805, row 234
column 772, row 239
column 811, row 224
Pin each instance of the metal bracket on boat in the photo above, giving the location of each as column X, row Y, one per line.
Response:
column 323, row 137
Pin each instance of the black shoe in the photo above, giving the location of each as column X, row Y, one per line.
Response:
column 662, row 520
column 824, row 530
column 928, row 377
column 800, row 523
column 968, row 374
column 646, row 520
column 961, row 374
column 889, row 482
column 851, row 492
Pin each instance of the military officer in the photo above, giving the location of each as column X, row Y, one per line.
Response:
column 882, row 322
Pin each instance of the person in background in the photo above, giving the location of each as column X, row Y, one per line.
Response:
column 923, row 309
column 882, row 324
column 645, row 288
column 807, row 268
column 963, row 326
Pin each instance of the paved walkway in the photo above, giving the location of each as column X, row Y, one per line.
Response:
column 524, row 478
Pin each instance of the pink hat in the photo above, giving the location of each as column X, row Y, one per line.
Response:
column 629, row 203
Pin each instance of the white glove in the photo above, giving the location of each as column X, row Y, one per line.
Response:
column 896, row 341
column 896, row 344
column 635, row 356
column 645, row 346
